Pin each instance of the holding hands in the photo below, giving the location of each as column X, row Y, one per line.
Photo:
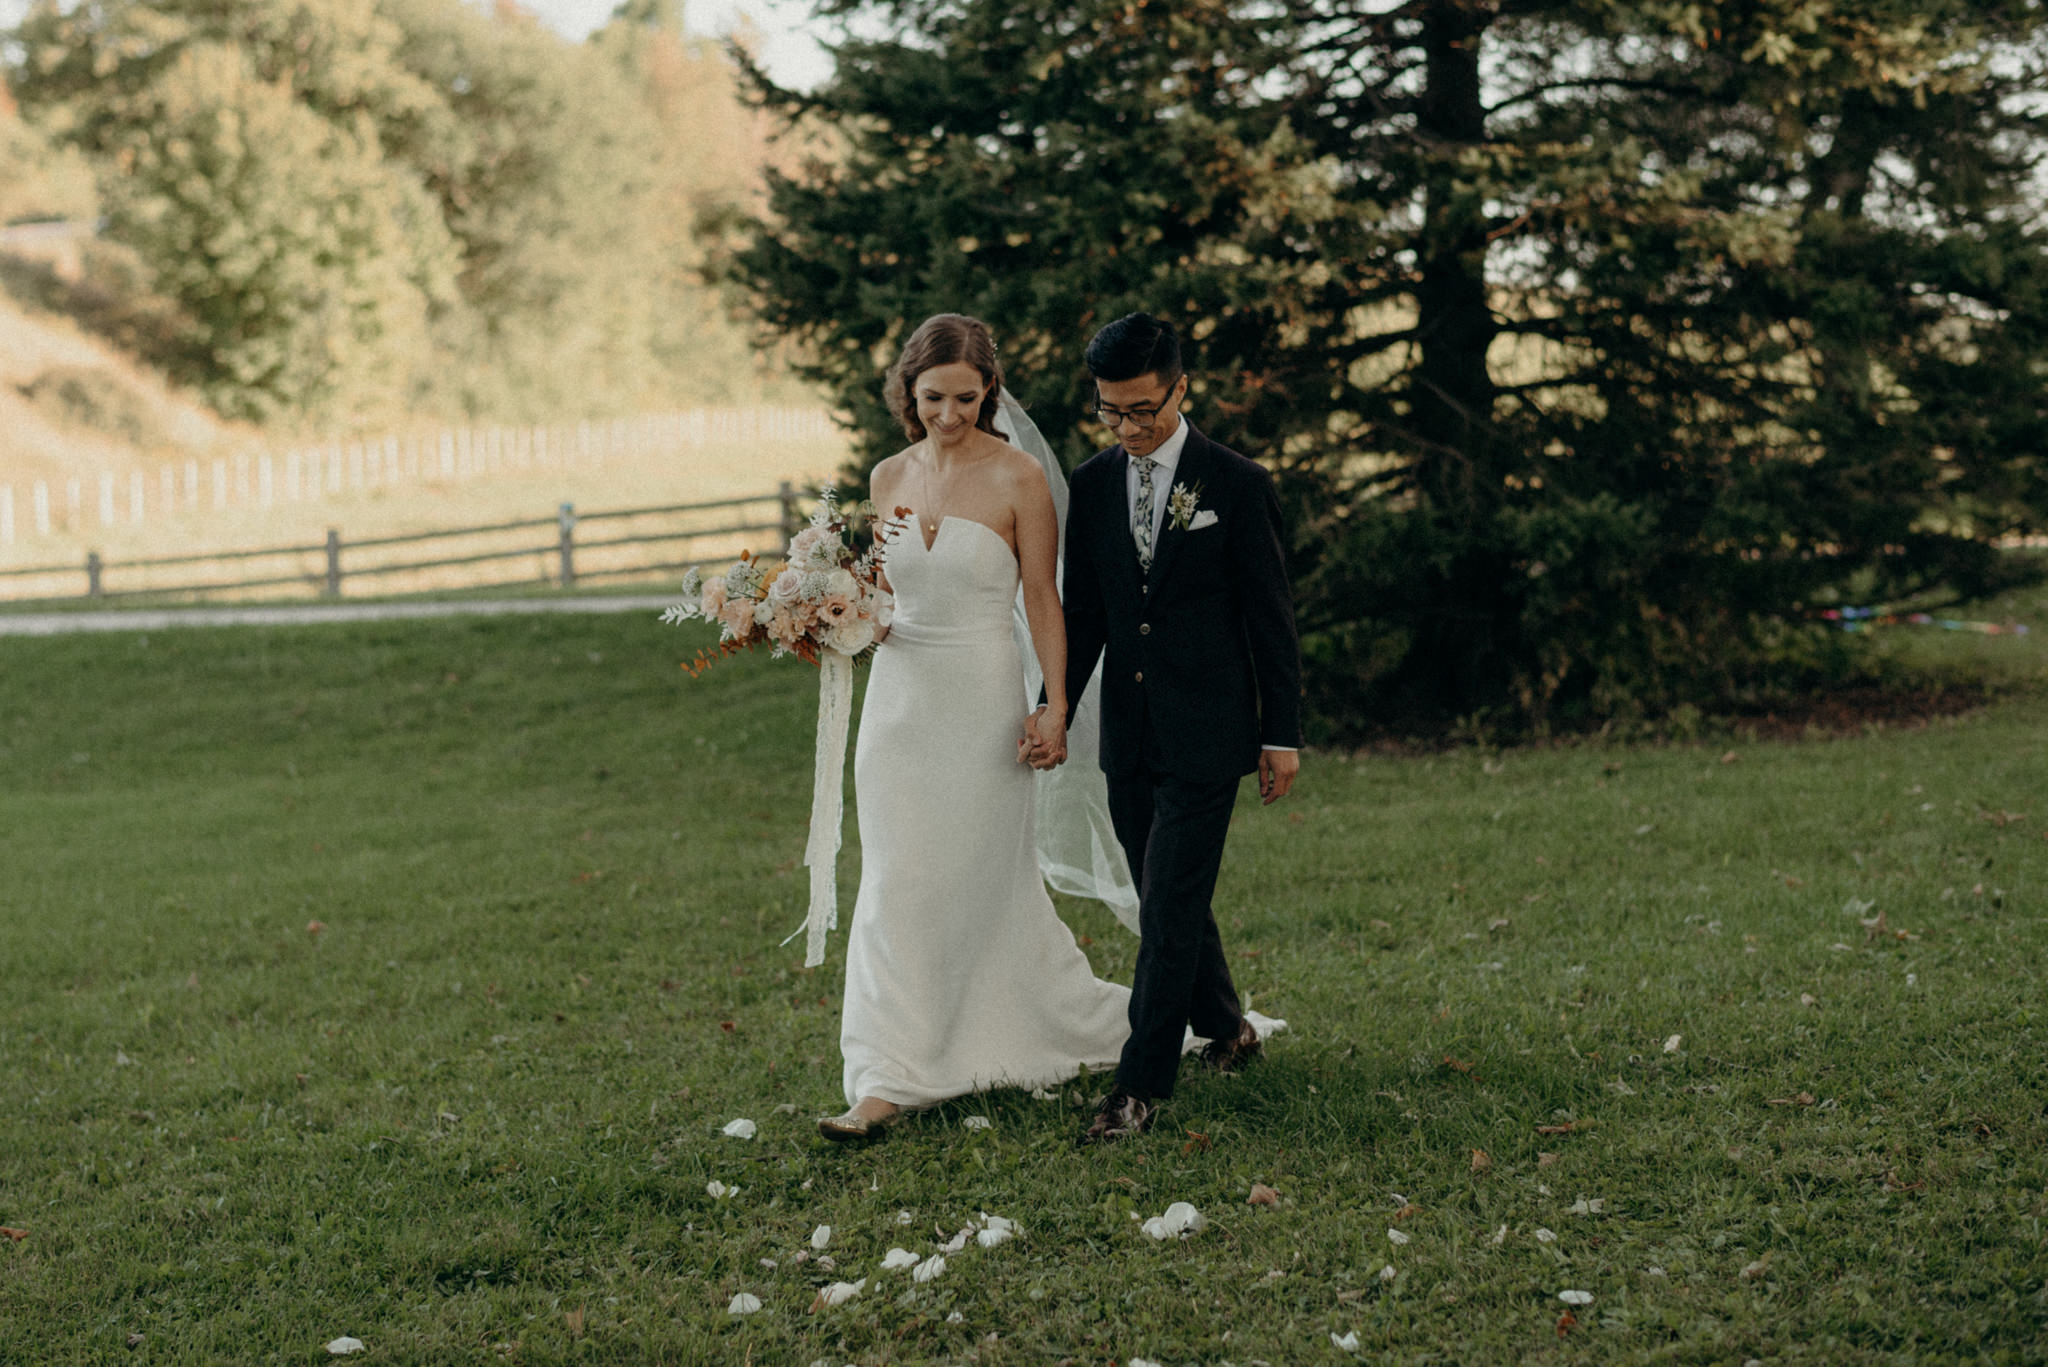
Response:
column 1044, row 742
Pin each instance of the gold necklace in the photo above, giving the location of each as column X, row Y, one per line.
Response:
column 931, row 519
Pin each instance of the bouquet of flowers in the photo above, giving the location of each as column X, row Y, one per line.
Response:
column 821, row 596
column 822, row 603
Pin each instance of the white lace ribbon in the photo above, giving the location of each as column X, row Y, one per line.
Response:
column 828, row 783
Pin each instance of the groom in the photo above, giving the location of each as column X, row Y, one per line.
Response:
column 1176, row 577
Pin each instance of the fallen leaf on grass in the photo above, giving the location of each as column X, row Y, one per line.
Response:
column 315, row 927
column 1730, row 758
column 1802, row 1099
column 743, row 1304
column 574, row 1320
column 1262, row 1195
column 1480, row 1162
column 1569, row 1127
column 12, row 1234
column 1459, row 1065
column 2002, row 819
column 1891, row 1183
column 839, row 1293
column 1544, row 1160
column 740, row 1129
column 1197, row 1142
column 1756, row 1269
column 1566, row 1323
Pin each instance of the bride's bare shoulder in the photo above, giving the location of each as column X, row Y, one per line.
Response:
column 890, row 468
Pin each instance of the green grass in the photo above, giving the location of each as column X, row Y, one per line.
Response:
column 474, row 1118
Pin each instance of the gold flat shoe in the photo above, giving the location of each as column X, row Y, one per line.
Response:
column 855, row 1129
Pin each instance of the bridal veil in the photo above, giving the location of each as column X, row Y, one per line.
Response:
column 1077, row 846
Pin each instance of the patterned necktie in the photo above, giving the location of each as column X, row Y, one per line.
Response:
column 1141, row 512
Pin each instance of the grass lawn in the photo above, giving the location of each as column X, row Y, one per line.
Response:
column 396, row 981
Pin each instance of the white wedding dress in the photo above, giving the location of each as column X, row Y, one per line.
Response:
column 959, row 974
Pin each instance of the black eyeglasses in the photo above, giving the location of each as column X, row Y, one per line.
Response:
column 1142, row 417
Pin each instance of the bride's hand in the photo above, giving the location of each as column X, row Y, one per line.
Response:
column 1049, row 729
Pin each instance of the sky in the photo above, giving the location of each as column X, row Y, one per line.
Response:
column 785, row 33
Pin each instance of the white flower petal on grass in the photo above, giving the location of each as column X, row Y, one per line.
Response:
column 1397, row 1238
column 122, row 1060
column 743, row 1304
column 1142, row 1362
column 928, row 1269
column 1584, row 1207
column 839, row 1293
column 1180, row 1220
column 956, row 1243
column 1576, row 1297
column 1500, row 1236
column 1348, row 1343
column 742, row 1128
column 903, row 1217
column 1544, row 1236
column 1388, row 1273
column 898, row 1257
column 1653, row 1272
column 1040, row 1094
column 956, row 1318
column 989, row 1221
column 989, row 1238
column 786, row 1108
column 344, row 1345
column 719, row 1191
column 821, row 1236
column 1671, row 1045
column 975, row 1122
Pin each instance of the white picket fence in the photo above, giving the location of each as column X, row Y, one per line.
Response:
column 308, row 473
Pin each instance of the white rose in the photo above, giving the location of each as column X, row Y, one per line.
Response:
column 851, row 636
column 843, row 583
column 764, row 613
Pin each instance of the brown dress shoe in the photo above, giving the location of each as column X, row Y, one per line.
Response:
column 1229, row 1055
column 1120, row 1116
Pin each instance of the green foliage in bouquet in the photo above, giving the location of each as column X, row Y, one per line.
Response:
column 1595, row 346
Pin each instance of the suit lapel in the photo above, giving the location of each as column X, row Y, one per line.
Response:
column 1189, row 471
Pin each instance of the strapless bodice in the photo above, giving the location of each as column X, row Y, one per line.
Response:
column 965, row 582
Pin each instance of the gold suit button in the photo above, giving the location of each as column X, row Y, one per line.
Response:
column 1144, row 628
column 1141, row 676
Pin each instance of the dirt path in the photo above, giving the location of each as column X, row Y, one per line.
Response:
column 161, row 619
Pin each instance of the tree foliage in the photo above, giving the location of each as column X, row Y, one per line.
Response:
column 369, row 206
column 1595, row 343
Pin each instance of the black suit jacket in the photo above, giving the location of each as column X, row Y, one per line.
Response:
column 1201, row 665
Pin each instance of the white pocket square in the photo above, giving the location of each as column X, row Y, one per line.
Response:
column 1204, row 518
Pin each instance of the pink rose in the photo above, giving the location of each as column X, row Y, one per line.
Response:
column 714, row 599
column 737, row 617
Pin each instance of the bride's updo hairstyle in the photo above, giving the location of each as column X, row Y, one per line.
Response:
column 943, row 339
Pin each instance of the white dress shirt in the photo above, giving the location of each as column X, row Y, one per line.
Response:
column 1167, row 457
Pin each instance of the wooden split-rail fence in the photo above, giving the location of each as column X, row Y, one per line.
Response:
column 563, row 551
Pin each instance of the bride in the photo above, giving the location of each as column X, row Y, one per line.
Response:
column 959, row 974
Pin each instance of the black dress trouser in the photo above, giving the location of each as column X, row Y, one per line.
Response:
column 1172, row 831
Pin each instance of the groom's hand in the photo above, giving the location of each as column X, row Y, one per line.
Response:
column 1277, row 769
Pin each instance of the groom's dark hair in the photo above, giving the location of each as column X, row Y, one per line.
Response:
column 1135, row 344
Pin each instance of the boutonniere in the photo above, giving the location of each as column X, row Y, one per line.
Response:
column 1183, row 504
